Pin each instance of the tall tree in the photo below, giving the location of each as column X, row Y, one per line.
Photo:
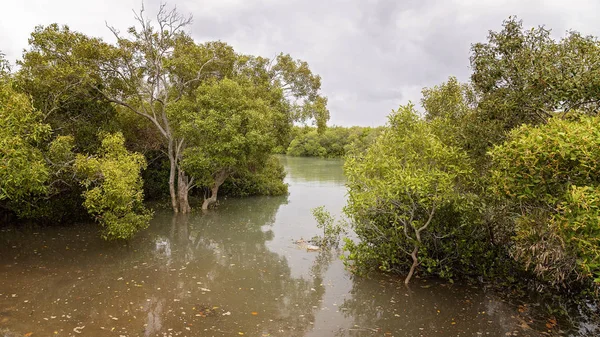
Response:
column 525, row 76
column 170, row 65
column 157, row 65
column 231, row 128
column 141, row 73
column 144, row 78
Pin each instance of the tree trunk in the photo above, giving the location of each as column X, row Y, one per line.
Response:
column 414, row 265
column 417, row 243
column 182, row 192
column 213, row 197
column 214, row 190
column 173, row 161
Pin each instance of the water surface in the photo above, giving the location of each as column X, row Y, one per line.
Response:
column 234, row 271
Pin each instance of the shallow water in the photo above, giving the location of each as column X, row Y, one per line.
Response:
column 234, row 271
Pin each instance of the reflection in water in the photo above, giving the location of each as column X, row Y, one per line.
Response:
column 427, row 308
column 314, row 170
column 233, row 270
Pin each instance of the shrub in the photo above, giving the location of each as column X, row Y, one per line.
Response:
column 406, row 199
column 550, row 176
column 114, row 188
column 331, row 229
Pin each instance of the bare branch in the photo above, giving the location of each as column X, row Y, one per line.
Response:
column 431, row 213
column 131, row 108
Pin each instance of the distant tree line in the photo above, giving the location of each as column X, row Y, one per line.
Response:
column 330, row 142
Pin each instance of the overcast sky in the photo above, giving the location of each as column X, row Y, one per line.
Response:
column 373, row 55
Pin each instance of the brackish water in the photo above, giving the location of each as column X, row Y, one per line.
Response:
column 231, row 272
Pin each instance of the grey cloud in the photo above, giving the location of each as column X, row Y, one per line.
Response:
column 372, row 54
column 383, row 94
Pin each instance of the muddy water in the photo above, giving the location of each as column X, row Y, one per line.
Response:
column 234, row 271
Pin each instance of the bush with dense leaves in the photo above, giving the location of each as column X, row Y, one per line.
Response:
column 114, row 188
column 23, row 171
column 407, row 203
column 550, row 176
